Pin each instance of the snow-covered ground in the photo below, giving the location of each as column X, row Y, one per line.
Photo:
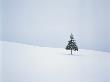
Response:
column 27, row 63
column 0, row 61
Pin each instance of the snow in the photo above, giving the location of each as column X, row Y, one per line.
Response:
column 0, row 61
column 27, row 63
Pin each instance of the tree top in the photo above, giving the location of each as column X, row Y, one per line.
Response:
column 71, row 36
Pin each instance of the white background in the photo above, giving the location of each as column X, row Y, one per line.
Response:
column 50, row 22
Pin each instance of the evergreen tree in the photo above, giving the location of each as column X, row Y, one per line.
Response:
column 72, row 44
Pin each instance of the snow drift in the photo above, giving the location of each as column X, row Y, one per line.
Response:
column 27, row 63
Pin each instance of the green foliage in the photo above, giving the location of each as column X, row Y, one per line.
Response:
column 72, row 44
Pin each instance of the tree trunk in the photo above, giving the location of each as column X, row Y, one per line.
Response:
column 71, row 51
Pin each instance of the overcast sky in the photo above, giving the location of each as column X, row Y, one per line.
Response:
column 0, row 19
column 50, row 22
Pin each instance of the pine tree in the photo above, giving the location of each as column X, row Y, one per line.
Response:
column 72, row 44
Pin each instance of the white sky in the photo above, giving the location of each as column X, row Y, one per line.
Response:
column 50, row 22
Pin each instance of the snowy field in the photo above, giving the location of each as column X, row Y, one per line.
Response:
column 27, row 63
